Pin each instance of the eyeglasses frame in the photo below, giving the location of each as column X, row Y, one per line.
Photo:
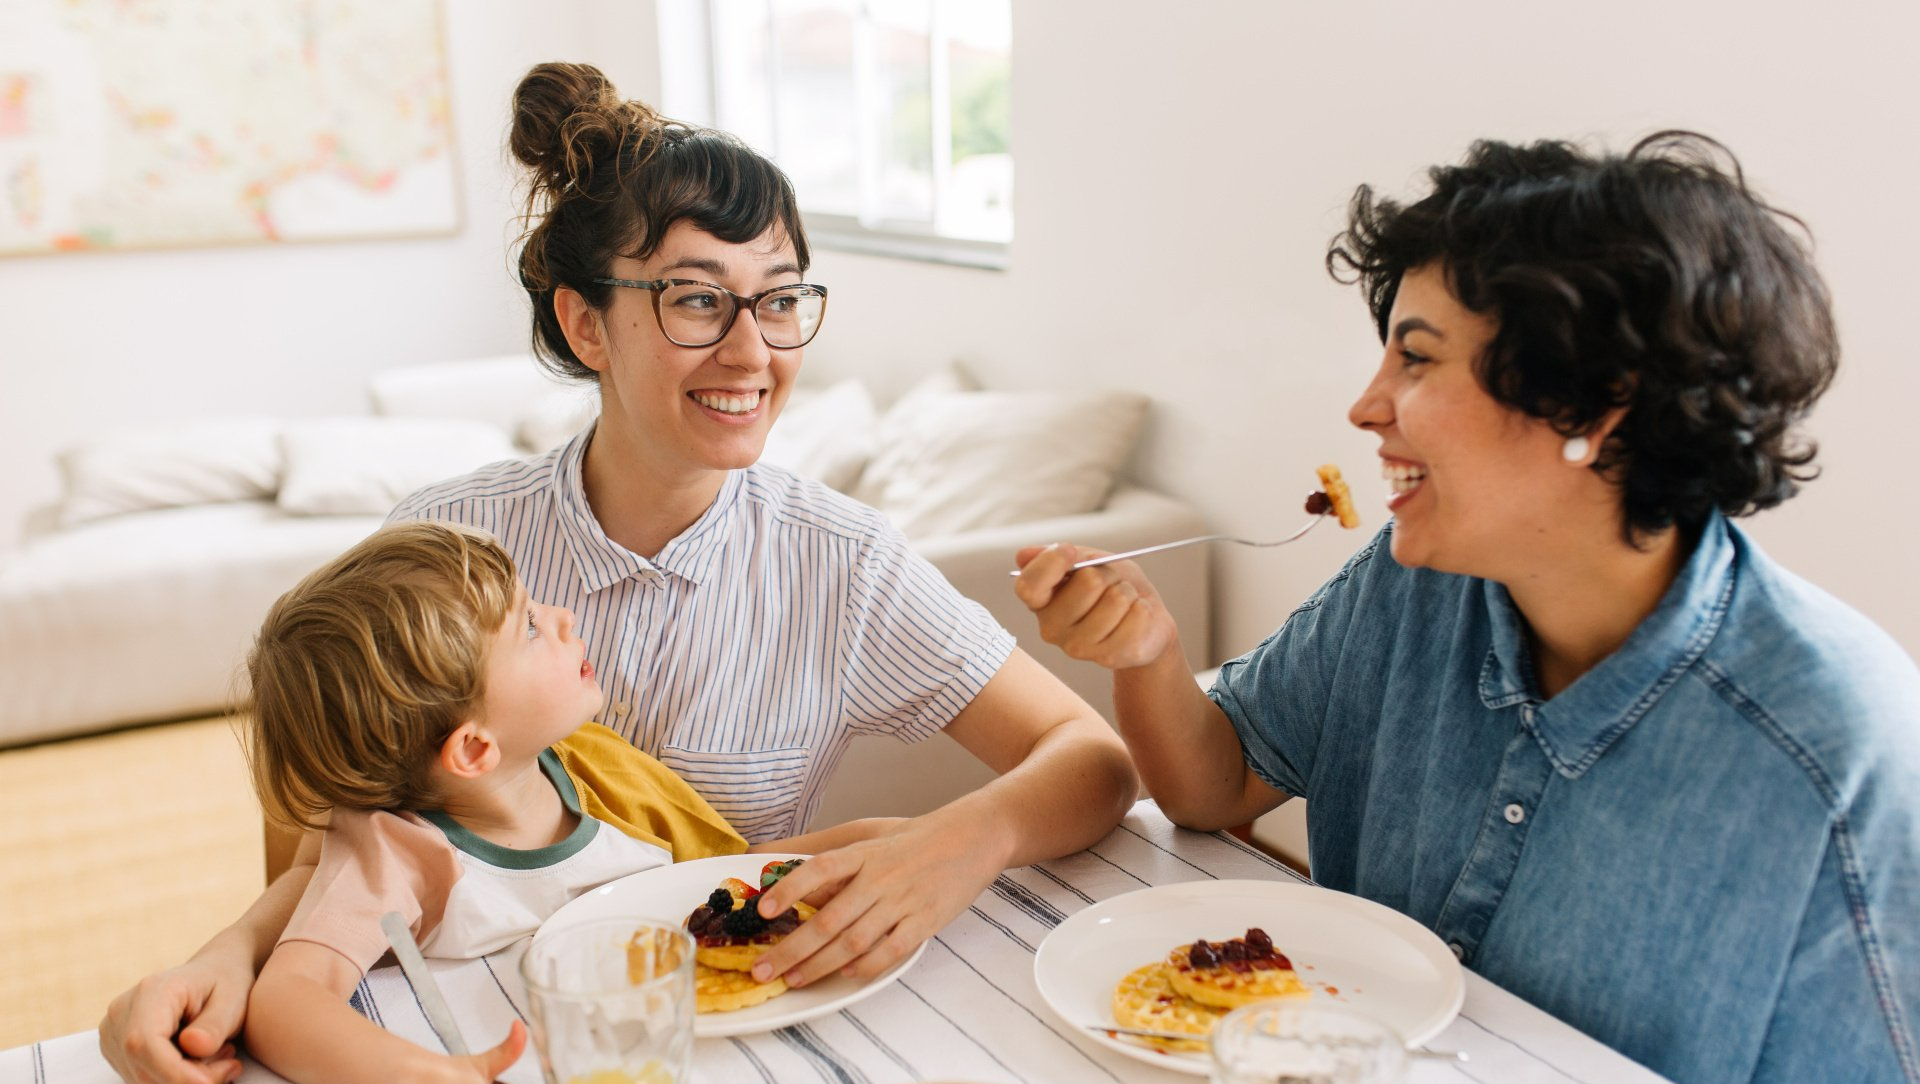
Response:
column 740, row 305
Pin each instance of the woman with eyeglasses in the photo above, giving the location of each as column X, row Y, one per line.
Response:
column 746, row 624
column 1561, row 710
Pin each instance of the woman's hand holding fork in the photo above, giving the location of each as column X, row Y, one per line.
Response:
column 1107, row 614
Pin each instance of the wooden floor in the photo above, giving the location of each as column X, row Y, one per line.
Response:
column 119, row 855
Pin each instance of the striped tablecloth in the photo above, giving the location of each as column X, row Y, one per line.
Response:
column 969, row 1010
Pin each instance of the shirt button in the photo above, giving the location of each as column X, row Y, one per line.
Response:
column 621, row 708
column 1459, row 952
column 1515, row 813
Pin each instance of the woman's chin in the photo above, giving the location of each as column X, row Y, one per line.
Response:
column 1406, row 551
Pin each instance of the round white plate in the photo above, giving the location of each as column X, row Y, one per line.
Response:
column 670, row 894
column 1352, row 952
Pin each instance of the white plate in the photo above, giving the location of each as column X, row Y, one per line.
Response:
column 1352, row 952
column 670, row 894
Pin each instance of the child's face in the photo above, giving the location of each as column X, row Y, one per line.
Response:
column 539, row 685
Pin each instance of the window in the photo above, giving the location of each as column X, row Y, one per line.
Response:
column 891, row 116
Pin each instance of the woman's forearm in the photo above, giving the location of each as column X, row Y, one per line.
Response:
column 1070, row 790
column 1184, row 747
column 251, row 937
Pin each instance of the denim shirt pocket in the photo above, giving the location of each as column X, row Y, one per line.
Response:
column 757, row 790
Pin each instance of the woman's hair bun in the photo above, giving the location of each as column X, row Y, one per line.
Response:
column 566, row 117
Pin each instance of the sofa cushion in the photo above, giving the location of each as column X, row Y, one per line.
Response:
column 363, row 466
column 205, row 462
column 950, row 461
column 147, row 616
column 825, row 434
column 512, row 393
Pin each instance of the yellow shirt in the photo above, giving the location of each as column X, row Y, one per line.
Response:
column 642, row 797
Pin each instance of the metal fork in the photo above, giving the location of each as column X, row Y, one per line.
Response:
column 1459, row 1057
column 1111, row 557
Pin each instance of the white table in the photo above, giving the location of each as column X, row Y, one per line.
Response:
column 969, row 1010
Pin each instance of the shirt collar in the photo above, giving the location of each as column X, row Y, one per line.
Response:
column 601, row 561
column 692, row 553
column 1580, row 724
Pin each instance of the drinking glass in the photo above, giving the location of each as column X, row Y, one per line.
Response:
column 611, row 1002
column 1280, row 1042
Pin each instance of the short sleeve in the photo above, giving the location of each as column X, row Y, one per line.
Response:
column 916, row 650
column 372, row 863
column 642, row 797
column 1279, row 694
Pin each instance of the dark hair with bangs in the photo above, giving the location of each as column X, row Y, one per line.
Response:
column 608, row 178
column 1654, row 281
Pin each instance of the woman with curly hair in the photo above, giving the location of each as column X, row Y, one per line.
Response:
column 1562, row 710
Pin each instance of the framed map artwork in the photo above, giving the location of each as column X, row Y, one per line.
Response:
column 128, row 124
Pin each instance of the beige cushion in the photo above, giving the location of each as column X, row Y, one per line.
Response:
column 512, row 393
column 363, row 466
column 556, row 416
column 147, row 616
column 206, row 462
column 825, row 434
column 951, row 461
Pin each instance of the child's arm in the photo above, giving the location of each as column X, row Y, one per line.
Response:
column 300, row 1025
column 827, row 839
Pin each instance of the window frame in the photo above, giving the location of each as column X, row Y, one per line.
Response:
column 689, row 91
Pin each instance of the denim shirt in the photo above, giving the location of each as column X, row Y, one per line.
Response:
column 1705, row 852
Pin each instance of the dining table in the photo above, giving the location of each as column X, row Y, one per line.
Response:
column 970, row 1009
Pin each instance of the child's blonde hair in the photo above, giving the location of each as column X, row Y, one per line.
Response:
column 364, row 668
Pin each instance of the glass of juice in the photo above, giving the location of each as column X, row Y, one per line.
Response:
column 611, row 1002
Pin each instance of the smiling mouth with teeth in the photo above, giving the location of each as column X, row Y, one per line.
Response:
column 1403, row 477
column 727, row 404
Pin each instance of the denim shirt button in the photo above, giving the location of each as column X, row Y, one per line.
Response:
column 1459, row 951
column 1515, row 813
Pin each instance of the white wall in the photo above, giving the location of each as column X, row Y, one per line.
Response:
column 1196, row 158
column 93, row 342
column 1192, row 156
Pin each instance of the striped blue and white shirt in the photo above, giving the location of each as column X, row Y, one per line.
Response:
column 750, row 650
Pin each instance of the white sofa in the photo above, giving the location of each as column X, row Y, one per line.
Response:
column 144, row 616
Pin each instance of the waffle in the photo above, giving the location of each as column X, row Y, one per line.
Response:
column 1145, row 998
column 730, row 957
column 715, row 990
column 1231, row 983
column 1339, row 495
column 721, row 978
column 741, row 953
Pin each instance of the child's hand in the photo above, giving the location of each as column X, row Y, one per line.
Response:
column 487, row 1065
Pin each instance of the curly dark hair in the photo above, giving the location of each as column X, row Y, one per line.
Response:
column 1654, row 281
column 609, row 177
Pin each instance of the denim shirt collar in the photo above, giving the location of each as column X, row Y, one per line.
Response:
column 603, row 562
column 1578, row 725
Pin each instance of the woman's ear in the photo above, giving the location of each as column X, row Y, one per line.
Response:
column 1604, row 428
column 469, row 752
column 580, row 322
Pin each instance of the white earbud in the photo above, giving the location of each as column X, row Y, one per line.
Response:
column 1575, row 449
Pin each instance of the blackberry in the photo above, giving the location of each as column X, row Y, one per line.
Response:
column 720, row 900
column 746, row 922
column 1258, row 941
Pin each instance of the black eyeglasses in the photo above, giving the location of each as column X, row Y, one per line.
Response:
column 695, row 313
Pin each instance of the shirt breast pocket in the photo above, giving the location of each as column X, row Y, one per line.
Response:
column 757, row 790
